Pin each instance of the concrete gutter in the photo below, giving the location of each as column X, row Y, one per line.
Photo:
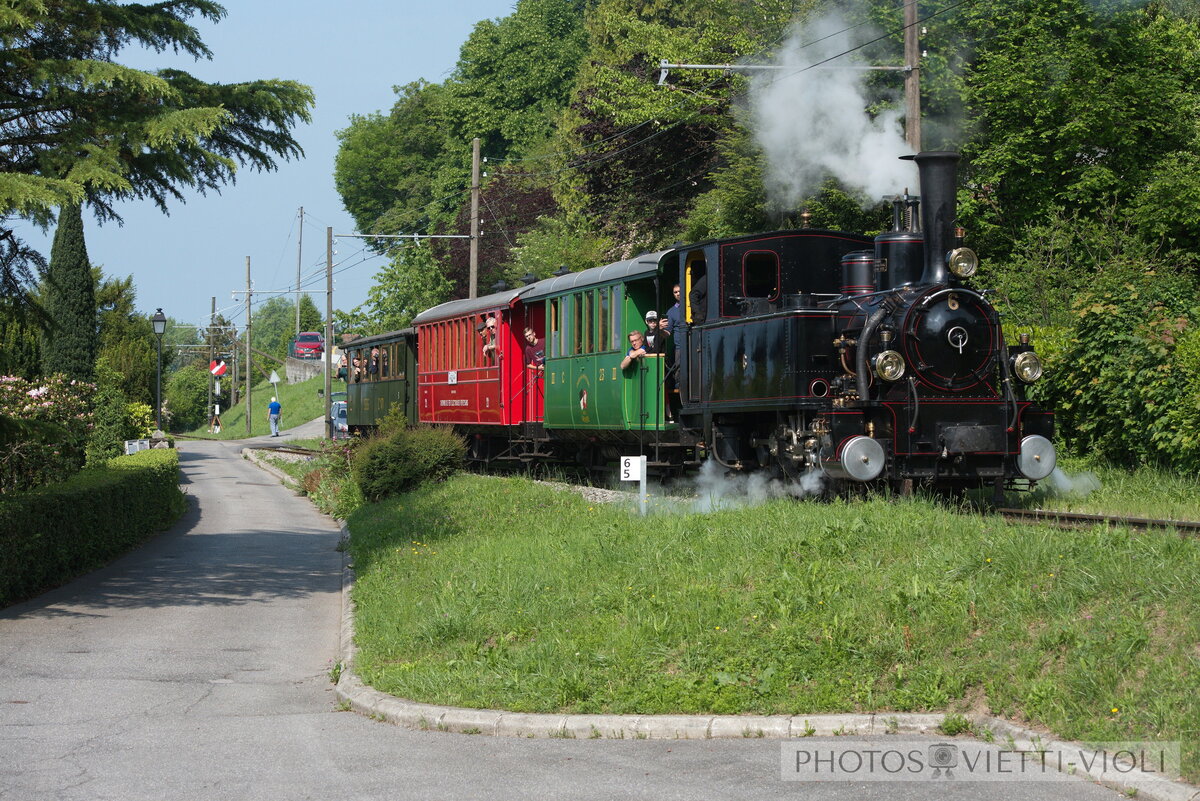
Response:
column 410, row 714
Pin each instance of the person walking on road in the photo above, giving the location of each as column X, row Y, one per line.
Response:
column 273, row 410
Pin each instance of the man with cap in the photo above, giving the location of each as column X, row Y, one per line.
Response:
column 655, row 339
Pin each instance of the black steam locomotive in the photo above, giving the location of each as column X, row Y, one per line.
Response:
column 806, row 352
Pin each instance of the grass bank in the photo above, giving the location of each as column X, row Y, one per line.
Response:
column 1081, row 485
column 300, row 403
column 490, row 592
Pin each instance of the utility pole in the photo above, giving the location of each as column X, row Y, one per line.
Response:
column 328, row 326
column 912, row 77
column 212, row 348
column 299, row 253
column 249, row 375
column 474, row 292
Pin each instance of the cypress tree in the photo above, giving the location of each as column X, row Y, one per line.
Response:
column 69, row 343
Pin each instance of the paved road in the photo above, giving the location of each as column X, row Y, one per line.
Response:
column 196, row 668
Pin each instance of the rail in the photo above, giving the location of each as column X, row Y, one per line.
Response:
column 1189, row 528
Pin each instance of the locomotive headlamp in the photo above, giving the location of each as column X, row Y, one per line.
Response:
column 963, row 262
column 889, row 365
column 1027, row 366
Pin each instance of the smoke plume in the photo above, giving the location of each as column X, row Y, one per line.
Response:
column 813, row 123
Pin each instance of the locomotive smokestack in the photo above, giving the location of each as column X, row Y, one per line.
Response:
column 939, row 208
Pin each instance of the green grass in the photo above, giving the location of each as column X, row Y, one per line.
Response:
column 1144, row 492
column 300, row 403
column 490, row 592
column 325, row 478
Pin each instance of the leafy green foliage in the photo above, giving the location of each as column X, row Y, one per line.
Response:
column 54, row 450
column 77, row 126
column 19, row 342
column 128, row 353
column 69, row 344
column 1124, row 396
column 52, row 534
column 185, row 396
column 397, row 462
column 274, row 325
column 1072, row 108
column 555, row 242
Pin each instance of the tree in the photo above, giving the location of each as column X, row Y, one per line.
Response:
column 1075, row 109
column 75, row 126
column 389, row 168
column 511, row 205
column 69, row 343
column 273, row 327
column 128, row 349
column 554, row 242
column 186, row 395
column 19, row 338
column 310, row 318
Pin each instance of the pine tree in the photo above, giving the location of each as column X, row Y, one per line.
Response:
column 69, row 343
column 76, row 125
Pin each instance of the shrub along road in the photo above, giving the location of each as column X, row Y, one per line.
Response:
column 198, row 668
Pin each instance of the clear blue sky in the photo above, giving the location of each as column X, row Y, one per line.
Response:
column 351, row 54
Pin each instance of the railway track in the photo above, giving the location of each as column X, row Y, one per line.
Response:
column 285, row 449
column 1187, row 528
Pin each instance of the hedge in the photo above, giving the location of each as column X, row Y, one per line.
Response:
column 51, row 534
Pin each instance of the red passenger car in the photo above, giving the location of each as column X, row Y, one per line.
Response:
column 471, row 366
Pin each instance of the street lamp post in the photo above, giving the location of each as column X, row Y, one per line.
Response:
column 159, row 321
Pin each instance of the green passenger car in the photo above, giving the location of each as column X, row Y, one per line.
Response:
column 588, row 317
column 381, row 373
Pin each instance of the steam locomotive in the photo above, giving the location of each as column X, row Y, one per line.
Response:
column 806, row 352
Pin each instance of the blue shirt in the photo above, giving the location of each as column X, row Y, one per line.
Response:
column 274, row 407
column 675, row 323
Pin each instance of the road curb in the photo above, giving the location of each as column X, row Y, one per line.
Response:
column 410, row 714
column 253, row 456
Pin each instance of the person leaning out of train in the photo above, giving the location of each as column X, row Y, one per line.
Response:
column 373, row 362
column 359, row 366
column 343, row 368
column 535, row 351
column 489, row 339
column 637, row 348
column 654, row 337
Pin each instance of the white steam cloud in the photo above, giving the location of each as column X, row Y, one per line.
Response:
column 1072, row 483
column 813, row 123
column 715, row 488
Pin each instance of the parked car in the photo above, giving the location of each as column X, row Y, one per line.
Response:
column 337, row 413
column 309, row 345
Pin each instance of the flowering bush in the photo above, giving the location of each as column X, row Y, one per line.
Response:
column 45, row 458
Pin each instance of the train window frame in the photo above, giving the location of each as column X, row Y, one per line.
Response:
column 576, row 321
column 442, row 360
column 554, row 326
column 588, row 329
column 750, row 255
column 618, row 335
column 603, row 318
column 695, row 272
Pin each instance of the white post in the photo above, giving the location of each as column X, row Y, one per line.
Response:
column 633, row 468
